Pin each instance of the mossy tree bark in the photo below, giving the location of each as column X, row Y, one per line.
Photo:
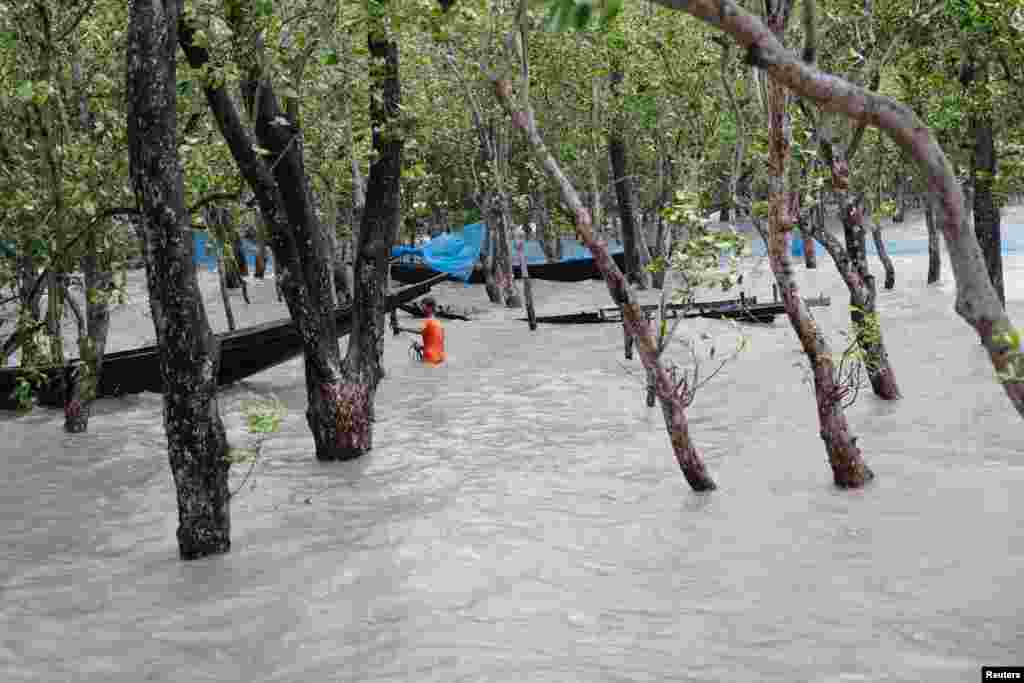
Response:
column 189, row 354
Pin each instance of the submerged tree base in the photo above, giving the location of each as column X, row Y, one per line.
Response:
column 198, row 540
column 883, row 383
column 341, row 421
column 850, row 473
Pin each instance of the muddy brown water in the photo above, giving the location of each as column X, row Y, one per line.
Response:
column 521, row 518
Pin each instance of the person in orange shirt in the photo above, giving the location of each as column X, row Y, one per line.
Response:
column 432, row 349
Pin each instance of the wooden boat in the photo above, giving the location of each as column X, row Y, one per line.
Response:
column 744, row 309
column 243, row 353
column 576, row 270
column 416, row 310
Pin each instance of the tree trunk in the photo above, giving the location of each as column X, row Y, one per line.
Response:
column 635, row 324
column 664, row 248
column 297, row 239
column 491, row 282
column 500, row 218
column 810, row 248
column 934, row 257
column 86, row 375
column 901, row 199
column 848, row 467
column 197, row 445
column 313, row 302
column 977, row 302
column 225, row 296
column 241, row 263
column 986, row 212
column 54, row 315
column 863, row 313
column 363, row 366
column 549, row 241
column 635, row 272
column 260, row 270
column 339, row 276
column 531, row 316
column 883, row 255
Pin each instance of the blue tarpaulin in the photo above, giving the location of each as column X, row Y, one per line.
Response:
column 572, row 250
column 1012, row 243
column 454, row 253
column 457, row 253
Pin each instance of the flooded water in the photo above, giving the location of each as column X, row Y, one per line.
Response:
column 521, row 518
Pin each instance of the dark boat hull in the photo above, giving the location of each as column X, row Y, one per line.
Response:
column 750, row 313
column 243, row 353
column 577, row 270
column 416, row 310
column 744, row 309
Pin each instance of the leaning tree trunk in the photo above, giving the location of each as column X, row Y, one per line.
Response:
column 852, row 264
column 306, row 291
column 986, row 212
column 197, row 445
column 672, row 402
column 883, row 255
column 297, row 240
column 863, row 310
column 848, row 467
column 934, row 257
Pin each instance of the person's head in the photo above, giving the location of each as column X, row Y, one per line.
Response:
column 429, row 305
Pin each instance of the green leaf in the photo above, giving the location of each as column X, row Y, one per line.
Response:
column 264, row 8
column 582, row 15
column 553, row 20
column 612, row 9
column 328, row 56
column 24, row 91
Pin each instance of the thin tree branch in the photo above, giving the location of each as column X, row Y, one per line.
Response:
column 213, row 198
column 73, row 24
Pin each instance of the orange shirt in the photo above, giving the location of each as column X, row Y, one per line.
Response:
column 433, row 342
